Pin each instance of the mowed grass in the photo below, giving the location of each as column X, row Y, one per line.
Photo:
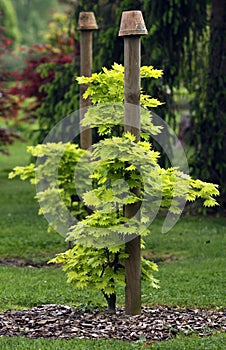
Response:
column 215, row 342
column 23, row 234
column 27, row 287
column 191, row 260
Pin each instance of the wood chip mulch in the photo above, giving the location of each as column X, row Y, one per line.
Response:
column 61, row 321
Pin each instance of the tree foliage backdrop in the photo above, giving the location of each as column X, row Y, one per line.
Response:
column 187, row 40
column 41, row 82
column 33, row 17
column 209, row 123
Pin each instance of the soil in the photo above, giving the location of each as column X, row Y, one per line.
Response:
column 62, row 321
column 17, row 262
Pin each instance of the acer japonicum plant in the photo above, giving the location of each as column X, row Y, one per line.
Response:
column 106, row 176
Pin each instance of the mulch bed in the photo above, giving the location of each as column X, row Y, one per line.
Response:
column 60, row 321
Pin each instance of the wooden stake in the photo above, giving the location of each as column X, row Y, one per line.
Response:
column 86, row 25
column 131, row 28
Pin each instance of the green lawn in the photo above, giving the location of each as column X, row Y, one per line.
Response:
column 191, row 260
column 216, row 342
column 22, row 232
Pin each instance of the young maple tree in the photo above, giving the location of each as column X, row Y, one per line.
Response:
column 94, row 218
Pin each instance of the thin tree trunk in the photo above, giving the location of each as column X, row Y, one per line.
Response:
column 111, row 301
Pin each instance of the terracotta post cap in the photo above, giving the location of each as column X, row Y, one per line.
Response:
column 87, row 21
column 132, row 23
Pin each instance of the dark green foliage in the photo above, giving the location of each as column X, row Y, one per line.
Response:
column 179, row 41
column 210, row 117
column 62, row 97
column 108, row 47
column 174, row 27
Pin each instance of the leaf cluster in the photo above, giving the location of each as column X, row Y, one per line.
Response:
column 100, row 269
column 106, row 90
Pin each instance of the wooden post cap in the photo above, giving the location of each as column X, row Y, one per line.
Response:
column 87, row 21
column 132, row 23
